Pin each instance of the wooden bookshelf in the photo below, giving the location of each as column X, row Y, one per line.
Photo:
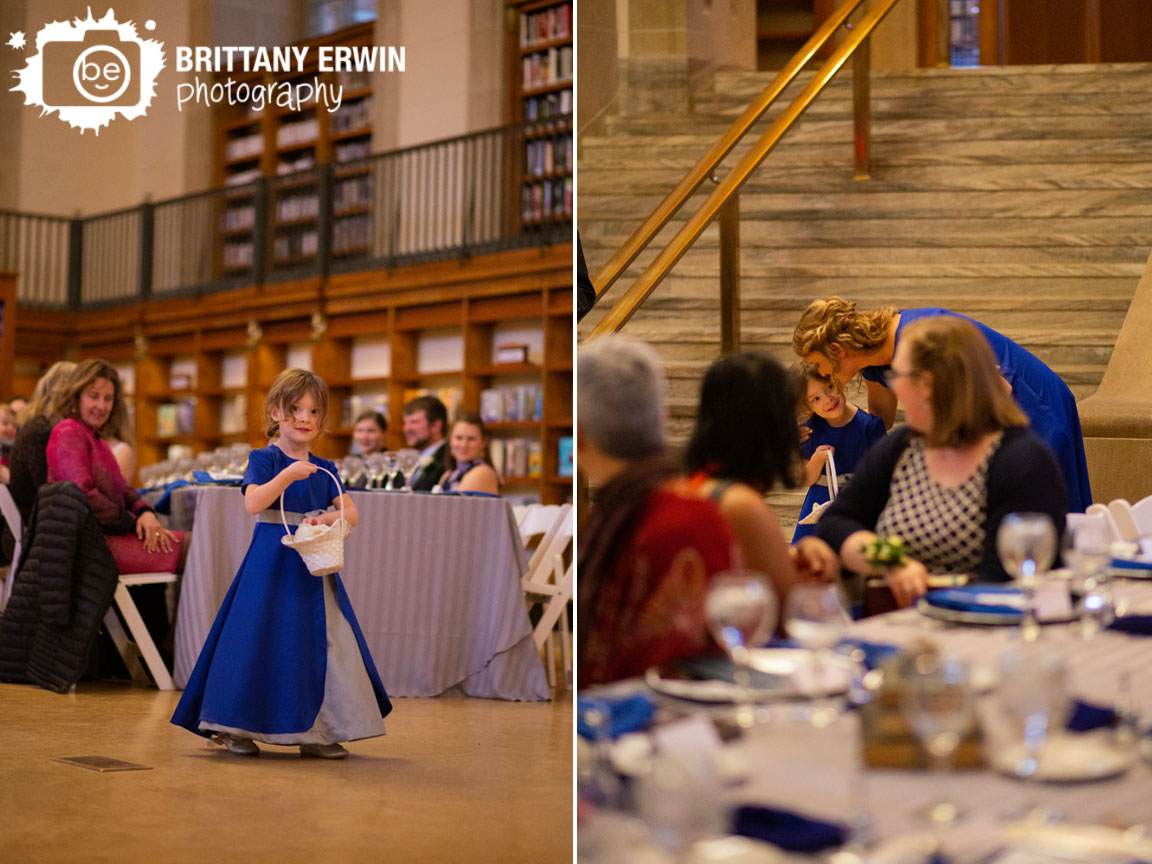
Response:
column 542, row 55
column 290, row 144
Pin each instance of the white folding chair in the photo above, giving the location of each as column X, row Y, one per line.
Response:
column 1142, row 516
column 145, row 647
column 550, row 585
column 1121, row 512
column 538, row 519
column 11, row 515
column 1102, row 511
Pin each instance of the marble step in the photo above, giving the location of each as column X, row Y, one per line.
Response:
column 903, row 178
column 814, row 128
column 678, row 153
column 1101, row 231
column 1105, row 79
column 1030, row 204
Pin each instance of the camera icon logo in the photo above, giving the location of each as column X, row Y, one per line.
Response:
column 89, row 71
column 103, row 69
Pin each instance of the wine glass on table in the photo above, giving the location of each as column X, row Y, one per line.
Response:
column 1032, row 695
column 1087, row 552
column 389, row 461
column 816, row 617
column 1026, row 544
column 407, row 458
column 741, row 611
column 936, row 697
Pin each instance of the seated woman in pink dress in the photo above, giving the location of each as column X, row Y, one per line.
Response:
column 89, row 403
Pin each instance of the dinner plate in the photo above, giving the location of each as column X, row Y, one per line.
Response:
column 1131, row 568
column 1071, row 758
column 778, row 673
column 1070, row 842
column 990, row 604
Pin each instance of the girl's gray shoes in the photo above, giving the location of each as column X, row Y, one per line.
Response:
column 239, row 746
column 323, row 751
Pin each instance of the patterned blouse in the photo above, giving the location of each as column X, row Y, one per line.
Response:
column 942, row 527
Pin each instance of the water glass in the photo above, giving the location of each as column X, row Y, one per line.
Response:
column 1026, row 544
column 937, row 701
column 1033, row 697
column 407, row 458
column 741, row 612
column 1087, row 553
column 816, row 617
column 388, row 462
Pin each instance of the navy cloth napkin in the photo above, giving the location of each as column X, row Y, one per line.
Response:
column 962, row 598
column 164, row 502
column 1140, row 625
column 625, row 714
column 1085, row 717
column 787, row 830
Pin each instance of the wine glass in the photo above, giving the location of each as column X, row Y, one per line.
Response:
column 741, row 611
column 407, row 458
column 1026, row 544
column 354, row 469
column 388, row 461
column 374, row 466
column 1087, row 553
column 1033, row 697
column 936, row 698
column 816, row 617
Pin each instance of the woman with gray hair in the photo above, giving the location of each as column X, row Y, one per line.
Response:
column 650, row 546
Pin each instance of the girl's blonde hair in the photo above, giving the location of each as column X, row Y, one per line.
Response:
column 803, row 373
column 64, row 401
column 835, row 320
column 289, row 386
column 51, row 381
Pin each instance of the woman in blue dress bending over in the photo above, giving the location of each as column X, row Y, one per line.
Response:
column 285, row 662
column 837, row 339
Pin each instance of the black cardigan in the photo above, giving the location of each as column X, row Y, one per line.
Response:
column 1023, row 476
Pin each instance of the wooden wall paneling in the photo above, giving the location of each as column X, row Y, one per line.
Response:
column 1124, row 30
column 1045, row 31
column 990, row 23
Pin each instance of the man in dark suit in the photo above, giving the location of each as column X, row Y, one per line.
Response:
column 425, row 422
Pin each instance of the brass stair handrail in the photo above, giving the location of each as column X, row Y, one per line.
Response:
column 707, row 163
column 625, row 307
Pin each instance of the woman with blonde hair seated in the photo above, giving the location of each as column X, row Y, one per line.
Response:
column 943, row 482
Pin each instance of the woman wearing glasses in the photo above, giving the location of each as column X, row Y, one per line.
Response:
column 943, row 482
column 839, row 340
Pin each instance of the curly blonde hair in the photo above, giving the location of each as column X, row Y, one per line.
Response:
column 835, row 320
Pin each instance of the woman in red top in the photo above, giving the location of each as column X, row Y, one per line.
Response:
column 650, row 546
column 90, row 402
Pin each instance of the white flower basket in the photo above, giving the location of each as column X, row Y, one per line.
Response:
column 833, row 490
column 323, row 552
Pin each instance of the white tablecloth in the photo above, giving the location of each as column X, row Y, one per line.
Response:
column 434, row 580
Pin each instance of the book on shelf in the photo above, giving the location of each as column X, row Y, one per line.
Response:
column 535, row 459
column 512, row 353
column 565, row 457
column 166, row 420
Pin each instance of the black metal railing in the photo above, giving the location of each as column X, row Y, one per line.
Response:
column 484, row 192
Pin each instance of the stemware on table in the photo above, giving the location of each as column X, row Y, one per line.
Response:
column 936, row 698
column 1087, row 554
column 816, row 617
column 1026, row 545
column 741, row 611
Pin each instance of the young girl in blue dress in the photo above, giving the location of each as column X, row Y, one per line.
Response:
column 838, row 427
column 285, row 662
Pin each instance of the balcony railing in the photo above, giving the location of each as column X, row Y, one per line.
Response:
column 474, row 194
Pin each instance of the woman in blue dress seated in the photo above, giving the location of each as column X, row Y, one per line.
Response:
column 469, row 469
column 839, row 340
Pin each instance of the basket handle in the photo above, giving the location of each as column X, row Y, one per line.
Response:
column 339, row 486
column 833, row 480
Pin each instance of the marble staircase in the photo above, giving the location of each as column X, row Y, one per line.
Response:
column 1020, row 196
